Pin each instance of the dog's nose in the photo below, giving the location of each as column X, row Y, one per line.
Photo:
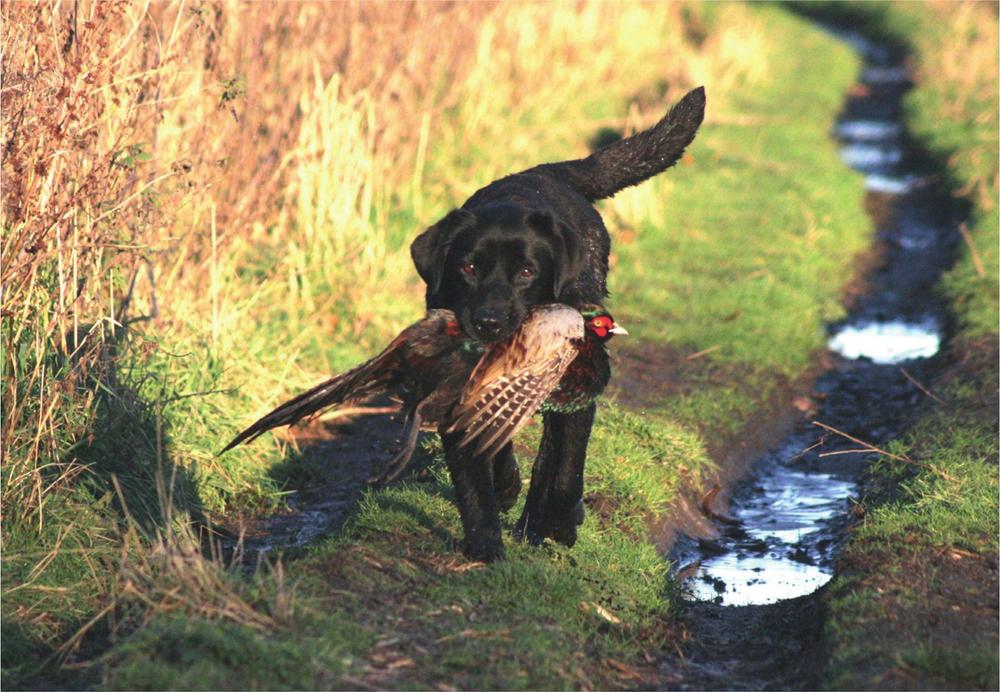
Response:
column 488, row 327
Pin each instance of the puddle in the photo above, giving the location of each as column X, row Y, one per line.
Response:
column 754, row 580
column 793, row 504
column 781, row 546
column 787, row 521
column 890, row 185
column 870, row 157
column 868, row 130
column 885, row 75
column 888, row 342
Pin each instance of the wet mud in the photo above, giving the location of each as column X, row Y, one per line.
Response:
column 325, row 479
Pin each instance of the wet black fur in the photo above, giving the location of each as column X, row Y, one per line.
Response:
column 534, row 237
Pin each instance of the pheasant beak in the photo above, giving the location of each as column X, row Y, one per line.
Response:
column 618, row 330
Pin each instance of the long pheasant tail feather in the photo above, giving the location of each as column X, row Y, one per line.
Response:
column 361, row 382
column 329, row 393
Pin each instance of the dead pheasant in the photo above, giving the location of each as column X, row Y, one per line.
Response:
column 443, row 377
column 514, row 378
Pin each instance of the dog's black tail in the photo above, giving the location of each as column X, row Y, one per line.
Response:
column 632, row 160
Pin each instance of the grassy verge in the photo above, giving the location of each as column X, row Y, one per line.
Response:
column 915, row 603
column 740, row 254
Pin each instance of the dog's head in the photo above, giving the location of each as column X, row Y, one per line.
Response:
column 491, row 265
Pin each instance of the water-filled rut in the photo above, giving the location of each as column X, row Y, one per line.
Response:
column 786, row 521
column 787, row 518
column 780, row 537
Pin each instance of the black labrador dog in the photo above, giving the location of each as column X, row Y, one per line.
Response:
column 530, row 238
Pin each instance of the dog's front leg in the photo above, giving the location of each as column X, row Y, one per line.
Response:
column 554, row 507
column 472, row 477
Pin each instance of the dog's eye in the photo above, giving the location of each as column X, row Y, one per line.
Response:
column 526, row 273
column 469, row 269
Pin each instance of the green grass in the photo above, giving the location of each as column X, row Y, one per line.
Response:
column 912, row 599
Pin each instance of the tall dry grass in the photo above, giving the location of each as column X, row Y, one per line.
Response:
column 167, row 136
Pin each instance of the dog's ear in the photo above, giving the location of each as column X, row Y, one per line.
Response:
column 567, row 253
column 430, row 249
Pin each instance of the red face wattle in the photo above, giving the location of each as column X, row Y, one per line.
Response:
column 601, row 326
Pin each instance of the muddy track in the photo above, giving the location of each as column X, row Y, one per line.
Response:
column 328, row 476
column 755, row 615
column 772, row 647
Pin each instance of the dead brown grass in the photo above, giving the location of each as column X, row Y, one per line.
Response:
column 131, row 129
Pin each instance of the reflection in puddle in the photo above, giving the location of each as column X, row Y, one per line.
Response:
column 794, row 504
column 887, row 184
column 733, row 580
column 917, row 236
column 868, row 130
column 778, row 551
column 888, row 342
column 870, row 157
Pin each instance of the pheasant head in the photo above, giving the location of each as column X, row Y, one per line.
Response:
column 600, row 324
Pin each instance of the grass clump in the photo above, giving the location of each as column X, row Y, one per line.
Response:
column 919, row 567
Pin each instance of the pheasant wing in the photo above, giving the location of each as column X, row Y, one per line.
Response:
column 515, row 377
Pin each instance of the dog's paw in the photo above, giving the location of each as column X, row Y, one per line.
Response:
column 561, row 526
column 561, row 533
column 526, row 531
column 484, row 548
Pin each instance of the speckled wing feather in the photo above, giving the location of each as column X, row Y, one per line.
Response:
column 515, row 377
column 421, row 340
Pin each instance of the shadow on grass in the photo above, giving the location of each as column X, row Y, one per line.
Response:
column 129, row 479
column 127, row 447
column 326, row 474
column 408, row 509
